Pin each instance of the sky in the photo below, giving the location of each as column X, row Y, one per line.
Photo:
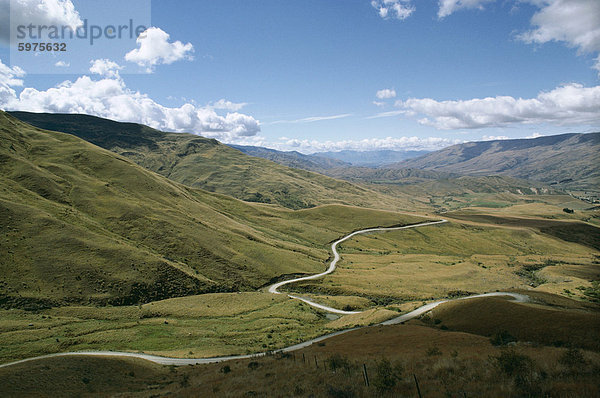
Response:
column 316, row 75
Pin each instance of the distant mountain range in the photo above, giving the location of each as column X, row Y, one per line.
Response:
column 377, row 158
column 571, row 161
column 322, row 161
column 292, row 158
column 567, row 161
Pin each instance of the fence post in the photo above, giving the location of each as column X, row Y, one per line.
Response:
column 417, row 384
column 366, row 376
column 316, row 363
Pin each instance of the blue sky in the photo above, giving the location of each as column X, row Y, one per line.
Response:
column 305, row 75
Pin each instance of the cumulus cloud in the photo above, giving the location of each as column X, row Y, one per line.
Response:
column 155, row 49
column 62, row 64
column 386, row 93
column 9, row 78
column 37, row 12
column 399, row 9
column 574, row 22
column 105, row 67
column 567, row 104
column 448, row 7
column 227, row 105
column 393, row 143
column 494, row 137
column 110, row 98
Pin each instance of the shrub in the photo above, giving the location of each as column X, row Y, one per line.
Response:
column 225, row 369
column 386, row 375
column 433, row 351
column 512, row 363
column 337, row 361
column 572, row 358
column 502, row 338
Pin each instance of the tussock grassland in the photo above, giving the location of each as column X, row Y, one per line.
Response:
column 460, row 258
column 445, row 363
column 85, row 226
column 206, row 163
column 571, row 327
column 196, row 326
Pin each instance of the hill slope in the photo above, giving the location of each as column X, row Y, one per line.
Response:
column 83, row 225
column 205, row 163
column 570, row 160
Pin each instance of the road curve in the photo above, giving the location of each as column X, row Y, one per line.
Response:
column 198, row 361
column 273, row 289
column 336, row 257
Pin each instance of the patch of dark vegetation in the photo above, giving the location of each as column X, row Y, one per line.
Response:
column 592, row 293
column 27, row 303
column 502, row 338
column 458, row 293
column 529, row 273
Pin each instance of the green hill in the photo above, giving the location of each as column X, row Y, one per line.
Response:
column 205, row 163
column 84, row 225
column 568, row 160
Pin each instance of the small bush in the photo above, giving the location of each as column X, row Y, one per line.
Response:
column 512, row 363
column 337, row 361
column 335, row 392
column 387, row 375
column 502, row 338
column 572, row 358
column 225, row 369
column 433, row 351
column 253, row 365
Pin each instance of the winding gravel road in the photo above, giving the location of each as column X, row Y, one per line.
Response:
column 336, row 257
column 273, row 289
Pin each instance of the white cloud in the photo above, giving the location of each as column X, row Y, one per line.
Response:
column 386, row 93
column 574, row 22
column 312, row 119
column 393, row 143
column 399, row 9
column 566, row 104
column 36, row 12
column 390, row 114
column 448, row 7
column 9, row 78
column 110, row 98
column 105, row 68
column 227, row 105
column 494, row 137
column 62, row 64
column 155, row 49
column 535, row 135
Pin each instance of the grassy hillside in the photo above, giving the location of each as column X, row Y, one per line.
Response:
column 83, row 225
column 569, row 160
column 445, row 362
column 483, row 253
column 205, row 163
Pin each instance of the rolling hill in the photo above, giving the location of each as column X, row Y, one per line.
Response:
column 567, row 160
column 205, row 163
column 83, row 225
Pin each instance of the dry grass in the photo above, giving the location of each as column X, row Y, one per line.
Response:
column 446, row 364
column 456, row 259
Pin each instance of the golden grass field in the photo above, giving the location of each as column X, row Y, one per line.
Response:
column 445, row 361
